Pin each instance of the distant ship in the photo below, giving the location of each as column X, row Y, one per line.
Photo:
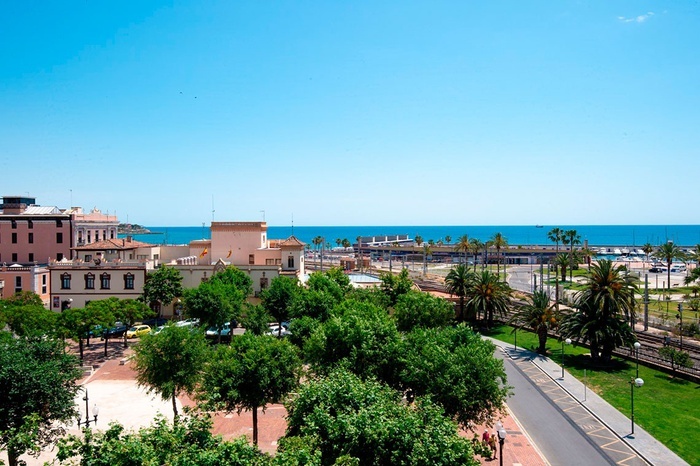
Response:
column 538, row 226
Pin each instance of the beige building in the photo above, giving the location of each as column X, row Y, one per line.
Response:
column 92, row 227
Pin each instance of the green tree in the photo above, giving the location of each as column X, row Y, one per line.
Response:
column 346, row 243
column 561, row 262
column 418, row 240
column 130, row 311
column 457, row 283
column 601, row 311
column 189, row 442
column 236, row 278
column 256, row 320
column 25, row 315
column 488, row 294
column 448, row 239
column 170, row 363
column 463, row 246
column 360, row 337
column 394, row 286
column 214, row 304
column 499, row 242
column 162, row 286
column 538, row 315
column 352, row 421
column 572, row 238
column 418, row 309
column 250, row 374
column 476, row 246
column 456, row 368
column 78, row 323
column 555, row 235
column 38, row 381
column 648, row 249
column 278, row 297
column 667, row 252
column 675, row 357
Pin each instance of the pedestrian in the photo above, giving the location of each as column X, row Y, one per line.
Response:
column 485, row 438
column 492, row 444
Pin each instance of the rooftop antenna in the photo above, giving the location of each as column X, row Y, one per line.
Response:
column 212, row 208
column 263, row 212
column 292, row 224
column 71, row 198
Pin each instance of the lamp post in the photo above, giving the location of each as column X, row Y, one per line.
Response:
column 637, row 345
column 634, row 382
column 178, row 308
column 95, row 412
column 680, row 323
column 501, row 441
column 568, row 342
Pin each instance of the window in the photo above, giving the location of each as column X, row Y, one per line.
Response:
column 59, row 256
column 251, row 259
column 88, row 257
column 111, row 234
column 59, row 237
column 65, row 281
column 30, row 224
column 129, row 281
column 290, row 262
column 43, row 284
column 18, row 284
column 14, row 224
column 104, row 281
column 269, row 262
column 89, row 281
column 89, row 238
column 14, row 238
column 14, row 257
column 263, row 283
column 30, row 238
column 31, row 257
column 59, row 223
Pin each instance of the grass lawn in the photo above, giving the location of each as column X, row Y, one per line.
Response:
column 667, row 408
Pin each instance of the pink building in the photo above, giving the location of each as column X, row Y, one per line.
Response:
column 25, row 278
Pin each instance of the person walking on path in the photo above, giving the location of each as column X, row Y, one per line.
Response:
column 492, row 444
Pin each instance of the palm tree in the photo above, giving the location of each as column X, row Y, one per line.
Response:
column 457, row 283
column 346, row 243
column 426, row 253
column 448, row 239
column 555, row 235
column 667, row 252
column 489, row 294
column 601, row 311
column 588, row 253
column 338, row 242
column 499, row 241
column 463, row 246
column 648, row 249
column 573, row 238
column 419, row 240
column 538, row 315
column 476, row 245
column 562, row 262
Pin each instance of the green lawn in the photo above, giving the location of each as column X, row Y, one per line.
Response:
column 669, row 409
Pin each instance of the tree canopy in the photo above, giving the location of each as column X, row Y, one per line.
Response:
column 417, row 309
column 37, row 389
column 162, row 286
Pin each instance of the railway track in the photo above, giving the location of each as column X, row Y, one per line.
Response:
column 648, row 352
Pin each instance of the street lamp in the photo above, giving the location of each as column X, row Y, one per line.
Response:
column 568, row 342
column 95, row 412
column 634, row 382
column 680, row 325
column 637, row 345
column 501, row 441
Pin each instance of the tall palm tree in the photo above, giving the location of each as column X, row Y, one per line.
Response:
column 555, row 235
column 537, row 314
column 463, row 246
column 588, row 253
column 457, row 283
column 601, row 311
column 448, row 239
column 573, row 238
column 667, row 252
column 562, row 262
column 488, row 294
column 426, row 253
column 648, row 249
column 499, row 241
column 475, row 244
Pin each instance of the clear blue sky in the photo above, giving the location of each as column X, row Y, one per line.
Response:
column 355, row 113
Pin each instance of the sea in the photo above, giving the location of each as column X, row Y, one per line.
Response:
column 595, row 235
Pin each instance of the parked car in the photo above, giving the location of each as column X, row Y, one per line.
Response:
column 657, row 270
column 225, row 331
column 274, row 330
column 155, row 322
column 114, row 332
column 158, row 329
column 188, row 323
column 138, row 330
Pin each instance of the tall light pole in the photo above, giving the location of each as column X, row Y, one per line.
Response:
column 637, row 345
column 680, row 323
column 501, row 440
column 638, row 383
column 568, row 342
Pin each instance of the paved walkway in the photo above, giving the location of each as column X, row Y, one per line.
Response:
column 598, row 422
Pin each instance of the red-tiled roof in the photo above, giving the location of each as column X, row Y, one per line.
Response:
column 118, row 244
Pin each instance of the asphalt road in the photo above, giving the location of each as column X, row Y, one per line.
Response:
column 556, row 436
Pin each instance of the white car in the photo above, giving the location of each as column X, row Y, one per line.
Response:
column 274, row 330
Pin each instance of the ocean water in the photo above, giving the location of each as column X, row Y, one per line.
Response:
column 596, row 235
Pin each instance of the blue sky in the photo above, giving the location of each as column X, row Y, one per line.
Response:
column 354, row 113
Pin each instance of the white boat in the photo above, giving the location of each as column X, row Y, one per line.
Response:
column 625, row 251
column 617, row 251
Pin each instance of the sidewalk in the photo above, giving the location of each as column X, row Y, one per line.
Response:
column 646, row 446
